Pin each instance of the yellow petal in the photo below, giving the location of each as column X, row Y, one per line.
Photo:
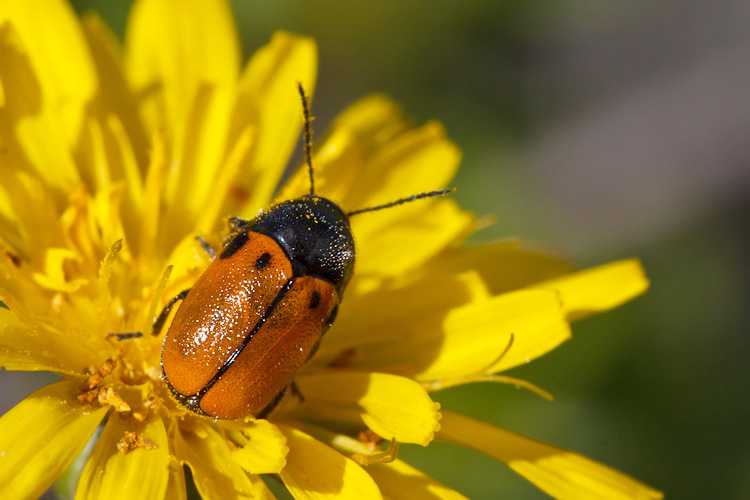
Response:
column 59, row 56
column 207, row 220
column 269, row 103
column 444, row 383
column 504, row 266
column 132, row 213
column 115, row 97
column 392, row 406
column 19, row 291
column 477, row 334
column 560, row 473
column 153, row 186
column 106, row 212
column 31, row 124
column 207, row 454
column 33, row 207
column 142, row 472
column 54, row 276
column 200, row 156
column 41, row 437
column 355, row 136
column 337, row 162
column 189, row 259
column 95, row 156
column 399, row 480
column 419, row 160
column 262, row 446
column 33, row 347
column 595, row 290
column 447, row 329
column 374, row 121
column 406, row 239
column 376, row 324
column 176, row 488
column 260, row 490
column 185, row 62
column 316, row 471
column 392, row 241
column 10, row 232
column 395, row 478
column 171, row 52
column 114, row 145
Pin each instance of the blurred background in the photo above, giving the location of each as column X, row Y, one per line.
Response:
column 603, row 130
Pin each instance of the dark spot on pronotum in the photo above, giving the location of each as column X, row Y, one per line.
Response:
column 314, row 300
column 234, row 245
column 332, row 316
column 263, row 261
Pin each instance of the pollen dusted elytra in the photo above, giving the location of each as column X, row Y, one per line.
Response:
column 260, row 309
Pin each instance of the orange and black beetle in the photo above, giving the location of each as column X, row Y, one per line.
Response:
column 258, row 312
column 260, row 309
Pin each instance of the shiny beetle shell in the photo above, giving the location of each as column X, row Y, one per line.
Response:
column 258, row 312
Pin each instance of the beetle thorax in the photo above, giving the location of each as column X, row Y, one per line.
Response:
column 315, row 234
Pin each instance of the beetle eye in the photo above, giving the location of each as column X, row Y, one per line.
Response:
column 263, row 261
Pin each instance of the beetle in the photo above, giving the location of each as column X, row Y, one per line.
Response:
column 259, row 310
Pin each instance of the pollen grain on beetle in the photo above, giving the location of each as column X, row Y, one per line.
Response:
column 201, row 319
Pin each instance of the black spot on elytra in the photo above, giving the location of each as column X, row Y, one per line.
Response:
column 314, row 300
column 263, row 261
column 234, row 245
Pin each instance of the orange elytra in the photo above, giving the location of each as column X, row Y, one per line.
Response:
column 260, row 309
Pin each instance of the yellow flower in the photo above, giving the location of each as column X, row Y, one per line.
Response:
column 113, row 161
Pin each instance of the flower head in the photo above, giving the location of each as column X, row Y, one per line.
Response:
column 114, row 162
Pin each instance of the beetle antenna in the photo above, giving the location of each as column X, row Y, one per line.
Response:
column 308, row 136
column 420, row 196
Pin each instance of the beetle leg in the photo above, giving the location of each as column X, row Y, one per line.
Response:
column 273, row 404
column 126, row 335
column 239, row 224
column 293, row 385
column 313, row 351
column 295, row 390
column 208, row 248
column 159, row 323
